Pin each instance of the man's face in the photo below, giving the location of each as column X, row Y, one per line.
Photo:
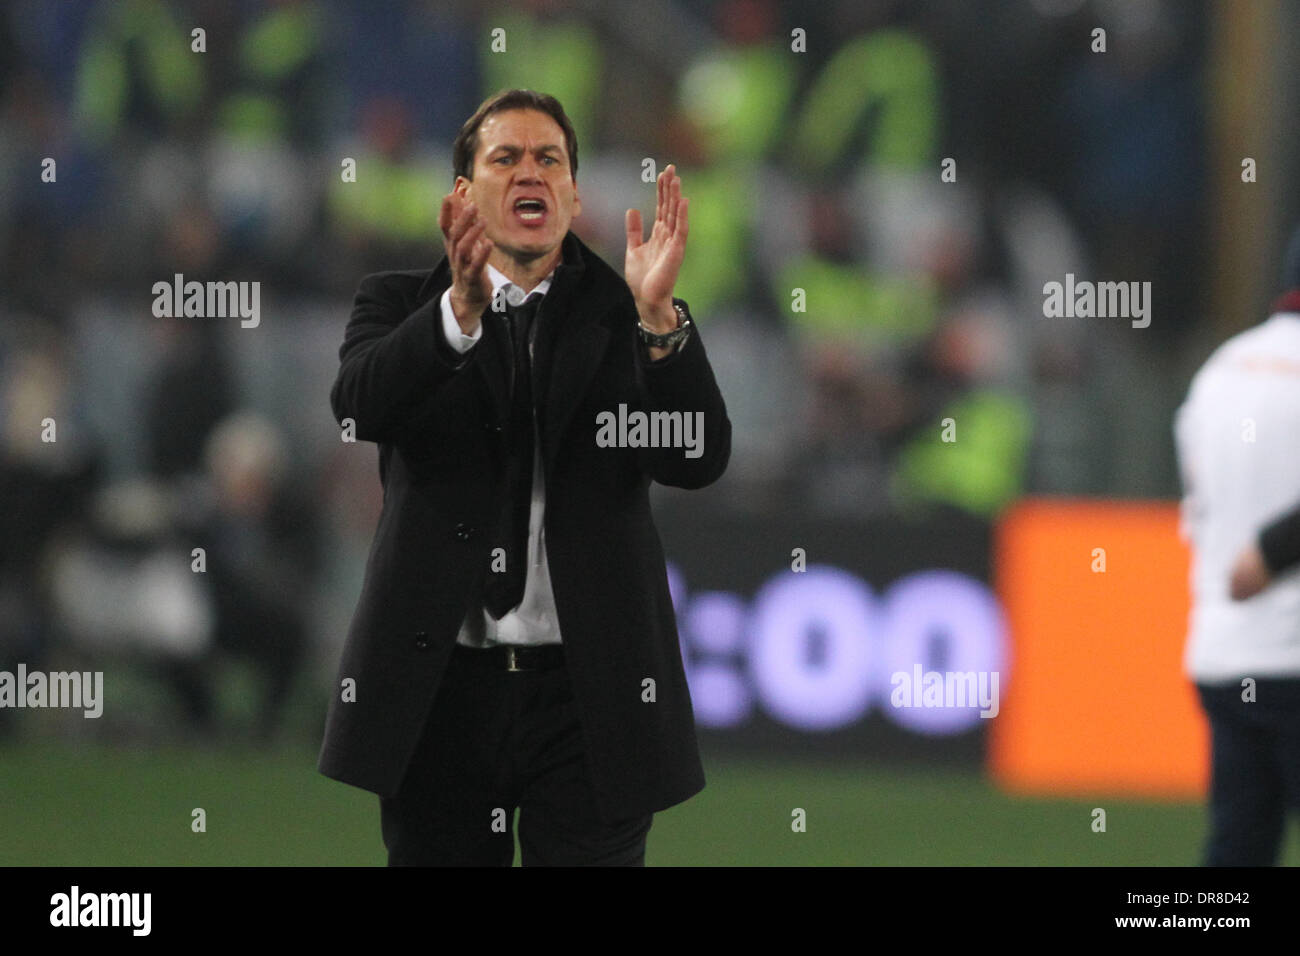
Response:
column 522, row 185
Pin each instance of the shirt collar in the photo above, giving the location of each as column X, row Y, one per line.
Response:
column 499, row 279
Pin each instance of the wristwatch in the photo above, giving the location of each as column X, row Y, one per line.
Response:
column 671, row 339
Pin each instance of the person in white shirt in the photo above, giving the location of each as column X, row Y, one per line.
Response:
column 1236, row 435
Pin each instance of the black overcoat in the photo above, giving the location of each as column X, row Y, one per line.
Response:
column 440, row 423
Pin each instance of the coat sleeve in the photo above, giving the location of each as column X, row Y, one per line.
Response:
column 392, row 363
column 683, row 382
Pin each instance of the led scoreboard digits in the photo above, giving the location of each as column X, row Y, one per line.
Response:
column 817, row 650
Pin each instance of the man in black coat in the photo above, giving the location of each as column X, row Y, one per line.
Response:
column 515, row 645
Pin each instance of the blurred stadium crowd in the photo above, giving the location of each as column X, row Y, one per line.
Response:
column 815, row 182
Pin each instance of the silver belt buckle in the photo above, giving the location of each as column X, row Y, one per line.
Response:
column 512, row 660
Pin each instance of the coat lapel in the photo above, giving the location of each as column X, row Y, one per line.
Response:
column 580, row 346
column 570, row 345
column 573, row 347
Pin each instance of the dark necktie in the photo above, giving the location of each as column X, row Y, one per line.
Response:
column 505, row 589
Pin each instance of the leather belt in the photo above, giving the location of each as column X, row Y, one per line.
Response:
column 514, row 657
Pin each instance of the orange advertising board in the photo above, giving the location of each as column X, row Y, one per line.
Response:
column 1096, row 601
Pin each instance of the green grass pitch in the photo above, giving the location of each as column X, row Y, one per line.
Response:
column 97, row 806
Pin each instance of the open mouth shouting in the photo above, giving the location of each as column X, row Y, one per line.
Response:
column 531, row 210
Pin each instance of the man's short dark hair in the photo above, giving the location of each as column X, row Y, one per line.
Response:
column 466, row 145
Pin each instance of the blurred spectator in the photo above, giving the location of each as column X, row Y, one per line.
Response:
column 389, row 215
column 1134, row 146
column 191, row 392
column 280, row 90
column 135, row 74
column 550, row 46
column 45, row 487
column 970, row 437
column 260, row 535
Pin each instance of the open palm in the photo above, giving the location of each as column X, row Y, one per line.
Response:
column 651, row 266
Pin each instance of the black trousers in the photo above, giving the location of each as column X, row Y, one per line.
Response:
column 1255, row 769
column 497, row 741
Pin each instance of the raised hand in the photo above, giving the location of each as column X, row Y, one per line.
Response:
column 651, row 266
column 467, row 252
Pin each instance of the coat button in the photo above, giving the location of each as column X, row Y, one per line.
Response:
column 463, row 532
column 422, row 640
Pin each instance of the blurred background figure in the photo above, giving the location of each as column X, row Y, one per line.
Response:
column 260, row 535
column 1236, row 445
column 46, row 488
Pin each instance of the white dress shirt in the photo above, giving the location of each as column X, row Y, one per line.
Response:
column 1238, row 441
column 534, row 621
